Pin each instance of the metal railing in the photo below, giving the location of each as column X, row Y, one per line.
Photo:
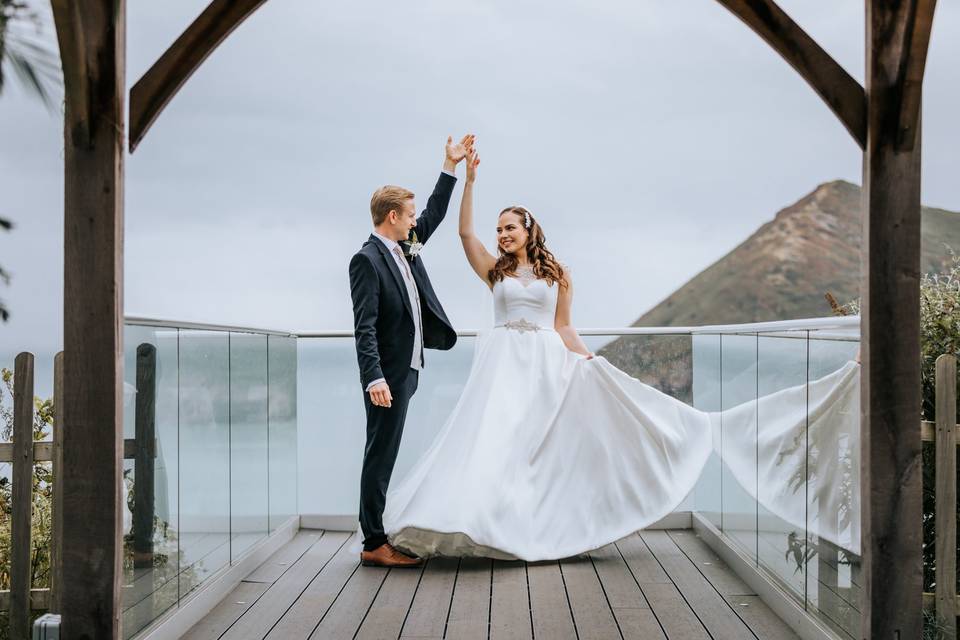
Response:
column 833, row 323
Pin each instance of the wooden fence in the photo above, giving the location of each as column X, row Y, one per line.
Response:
column 23, row 453
column 943, row 433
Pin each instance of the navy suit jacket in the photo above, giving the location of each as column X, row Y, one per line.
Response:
column 382, row 312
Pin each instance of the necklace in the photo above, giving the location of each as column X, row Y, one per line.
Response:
column 525, row 274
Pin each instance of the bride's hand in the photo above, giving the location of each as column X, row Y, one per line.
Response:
column 457, row 152
column 473, row 161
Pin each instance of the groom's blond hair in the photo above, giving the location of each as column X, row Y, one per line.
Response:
column 386, row 199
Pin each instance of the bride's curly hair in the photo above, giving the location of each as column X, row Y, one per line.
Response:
column 545, row 266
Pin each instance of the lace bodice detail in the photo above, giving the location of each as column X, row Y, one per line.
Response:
column 525, row 302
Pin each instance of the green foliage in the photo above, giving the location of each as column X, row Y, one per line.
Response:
column 939, row 334
column 42, row 492
column 939, row 327
column 166, row 559
column 934, row 627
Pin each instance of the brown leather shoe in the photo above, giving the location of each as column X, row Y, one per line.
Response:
column 387, row 556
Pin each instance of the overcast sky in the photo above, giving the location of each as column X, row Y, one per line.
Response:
column 649, row 137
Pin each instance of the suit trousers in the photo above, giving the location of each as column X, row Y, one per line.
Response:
column 384, row 429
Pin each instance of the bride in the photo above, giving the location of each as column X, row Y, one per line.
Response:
column 551, row 451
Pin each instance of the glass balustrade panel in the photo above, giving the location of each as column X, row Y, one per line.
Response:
column 738, row 440
column 249, row 474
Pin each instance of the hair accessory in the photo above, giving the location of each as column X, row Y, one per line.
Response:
column 526, row 219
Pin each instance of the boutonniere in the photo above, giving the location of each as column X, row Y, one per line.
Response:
column 412, row 246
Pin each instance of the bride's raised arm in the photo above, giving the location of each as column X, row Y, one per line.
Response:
column 477, row 255
column 562, row 323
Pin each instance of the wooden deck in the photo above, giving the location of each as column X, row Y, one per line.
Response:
column 656, row 584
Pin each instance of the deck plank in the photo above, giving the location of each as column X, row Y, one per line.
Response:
column 343, row 618
column 470, row 607
column 549, row 606
column 227, row 612
column 591, row 612
column 389, row 609
column 284, row 557
column 654, row 585
column 754, row 612
column 761, row 619
column 638, row 623
column 257, row 621
column 712, row 610
column 641, row 562
column 618, row 583
column 510, row 602
column 312, row 604
column 712, row 566
column 629, row 606
column 674, row 614
column 427, row 617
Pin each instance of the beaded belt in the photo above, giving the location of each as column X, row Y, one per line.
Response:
column 521, row 325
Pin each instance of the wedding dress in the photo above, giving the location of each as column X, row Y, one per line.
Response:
column 548, row 454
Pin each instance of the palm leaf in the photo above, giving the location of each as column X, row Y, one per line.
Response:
column 36, row 65
column 30, row 74
column 4, row 276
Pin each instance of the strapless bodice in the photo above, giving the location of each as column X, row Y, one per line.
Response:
column 521, row 303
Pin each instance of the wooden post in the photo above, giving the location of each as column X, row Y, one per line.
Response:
column 946, row 494
column 91, row 34
column 143, row 480
column 21, row 499
column 56, row 533
column 890, row 329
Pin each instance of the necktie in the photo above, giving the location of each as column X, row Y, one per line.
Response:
column 406, row 267
column 412, row 291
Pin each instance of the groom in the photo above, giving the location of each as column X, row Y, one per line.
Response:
column 396, row 315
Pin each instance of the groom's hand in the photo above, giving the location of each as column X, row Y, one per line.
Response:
column 380, row 395
column 457, row 152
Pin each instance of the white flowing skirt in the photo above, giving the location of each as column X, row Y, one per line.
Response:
column 548, row 454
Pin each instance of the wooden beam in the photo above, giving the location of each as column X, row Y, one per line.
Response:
column 890, row 490
column 928, row 431
column 46, row 451
column 42, row 451
column 161, row 82
column 913, row 62
column 844, row 95
column 71, row 35
column 40, row 600
column 21, row 498
column 93, row 318
column 930, row 603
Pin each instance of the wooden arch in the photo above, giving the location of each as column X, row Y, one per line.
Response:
column 844, row 95
column 169, row 73
column 883, row 118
